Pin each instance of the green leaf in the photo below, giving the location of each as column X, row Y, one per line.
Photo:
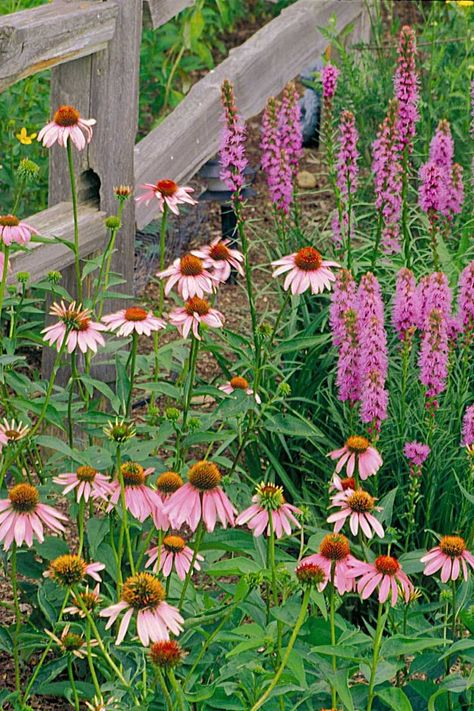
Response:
column 290, row 425
column 386, row 503
column 6, row 642
column 398, row 645
column 395, row 698
column 342, row 688
column 97, row 529
column 345, row 652
column 234, row 566
column 52, row 547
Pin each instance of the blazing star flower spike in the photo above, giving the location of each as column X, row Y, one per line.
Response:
column 23, row 517
column 329, row 77
column 232, row 156
column 406, row 305
column 168, row 193
column 289, row 125
column 345, row 327
column 174, row 554
column 12, row 230
column 357, row 451
column 450, row 556
column 305, row 270
column 67, row 124
column 386, row 574
column 133, row 320
column 406, row 87
column 143, row 597
column 468, row 428
column 201, row 499
column 269, row 512
column 416, row 452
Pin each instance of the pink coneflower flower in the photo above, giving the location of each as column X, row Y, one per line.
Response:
column 81, row 332
column 72, row 643
column 358, row 507
column 329, row 77
column 219, row 257
column 306, row 270
column 166, row 484
column 416, row 452
column 140, row 499
column 406, row 86
column 174, row 554
column 386, row 574
column 168, row 193
column 232, row 150
column 311, row 575
column 68, row 570
column 345, row 327
column 201, row 499
column 334, row 556
column 134, row 319
column 450, row 556
column 269, row 511
column 90, row 599
column 338, row 484
column 239, row 383
column 406, row 305
column 22, row 517
column 357, row 451
column 144, row 596
column 191, row 277
column 12, row 230
column 12, row 431
column 87, row 482
column 67, row 124
column 195, row 312
column 468, row 428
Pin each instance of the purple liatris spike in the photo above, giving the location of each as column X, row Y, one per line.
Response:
column 416, row 452
column 455, row 196
column 432, row 195
column 442, row 154
column 468, row 427
column 442, row 146
column 347, row 169
column 433, row 359
column 232, row 151
column 373, row 346
column 329, row 76
column 275, row 161
column 406, row 86
column 466, row 300
column 434, row 293
column 406, row 305
column 289, row 123
column 387, row 170
column 343, row 317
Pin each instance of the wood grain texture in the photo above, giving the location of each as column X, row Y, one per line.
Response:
column 57, row 221
column 157, row 12
column 43, row 37
column 259, row 68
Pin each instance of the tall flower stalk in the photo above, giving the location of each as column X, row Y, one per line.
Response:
column 347, row 177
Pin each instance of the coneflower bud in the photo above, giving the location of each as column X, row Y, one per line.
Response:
column 28, row 169
column 54, row 277
column 112, row 222
column 310, row 574
column 119, row 431
column 122, row 192
column 23, row 277
column 166, row 654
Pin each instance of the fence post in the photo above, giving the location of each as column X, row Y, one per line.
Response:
column 103, row 86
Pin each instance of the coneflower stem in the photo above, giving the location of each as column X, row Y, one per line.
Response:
column 52, row 380
column 381, row 619
column 291, row 643
column 90, row 660
column 16, row 602
column 187, row 397
column 248, row 280
column 124, row 528
column 105, row 265
column 332, row 625
column 133, row 360
column 72, row 177
column 6, row 252
column 197, row 545
column 177, row 689
column 73, row 683
column 80, row 524
column 166, row 694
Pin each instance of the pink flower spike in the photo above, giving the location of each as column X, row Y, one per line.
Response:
column 143, row 596
column 81, row 332
column 14, row 231
column 87, row 483
column 451, row 556
column 201, row 499
column 357, row 451
column 174, row 554
column 468, row 428
column 22, row 517
column 67, row 124
column 191, row 277
column 141, row 500
column 219, row 257
column 269, row 511
column 305, row 270
column 133, row 320
column 232, row 156
column 168, row 193
column 357, row 507
column 386, row 574
column 239, row 383
column 329, row 77
column 195, row 312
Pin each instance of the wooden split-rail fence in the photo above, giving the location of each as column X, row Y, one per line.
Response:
column 93, row 50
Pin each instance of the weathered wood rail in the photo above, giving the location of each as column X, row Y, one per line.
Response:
column 93, row 50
